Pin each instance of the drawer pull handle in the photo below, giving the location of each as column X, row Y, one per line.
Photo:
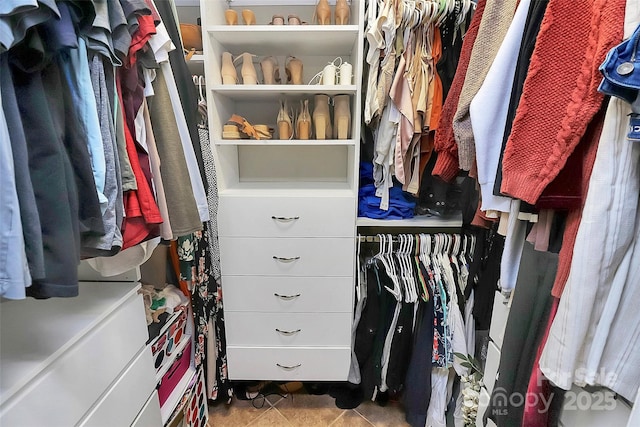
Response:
column 287, row 297
column 285, row 218
column 286, row 259
column 288, row 368
column 288, row 333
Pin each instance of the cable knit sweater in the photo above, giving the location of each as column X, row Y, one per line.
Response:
column 446, row 166
column 560, row 94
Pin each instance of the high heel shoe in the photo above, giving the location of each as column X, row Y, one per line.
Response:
column 295, row 20
column 321, row 117
column 328, row 74
column 342, row 12
column 294, row 70
column 285, row 127
column 248, row 71
column 270, row 70
column 323, row 12
column 346, row 74
column 231, row 17
column 228, row 71
column 341, row 117
column 303, row 122
column 248, row 17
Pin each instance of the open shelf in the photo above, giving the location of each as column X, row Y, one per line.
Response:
column 284, row 39
column 261, row 92
column 265, row 142
column 454, row 221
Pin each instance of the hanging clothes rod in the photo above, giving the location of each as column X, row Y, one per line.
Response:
column 376, row 238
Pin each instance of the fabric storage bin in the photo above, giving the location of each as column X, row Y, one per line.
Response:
column 175, row 372
column 165, row 344
column 196, row 413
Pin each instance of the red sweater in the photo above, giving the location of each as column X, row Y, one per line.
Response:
column 560, row 95
column 446, row 166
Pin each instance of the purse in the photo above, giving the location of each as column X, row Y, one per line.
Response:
column 191, row 37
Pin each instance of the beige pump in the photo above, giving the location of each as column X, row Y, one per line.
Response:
column 270, row 70
column 341, row 117
column 285, row 127
column 342, row 12
column 231, row 17
column 248, row 17
column 294, row 70
column 228, row 71
column 303, row 123
column 248, row 71
column 321, row 117
column 323, row 12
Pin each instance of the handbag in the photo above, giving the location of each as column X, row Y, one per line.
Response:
column 191, row 37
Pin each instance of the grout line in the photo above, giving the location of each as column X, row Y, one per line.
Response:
column 258, row 417
column 337, row 418
column 365, row 418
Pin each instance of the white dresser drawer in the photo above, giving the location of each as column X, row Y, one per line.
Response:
column 282, row 364
column 288, row 329
column 286, row 216
column 288, row 294
column 86, row 369
column 122, row 402
column 287, row 257
column 499, row 319
column 150, row 413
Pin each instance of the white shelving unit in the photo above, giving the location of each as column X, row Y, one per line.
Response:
column 291, row 205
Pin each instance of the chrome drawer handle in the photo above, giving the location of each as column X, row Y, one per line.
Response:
column 285, row 259
column 288, row 333
column 285, row 218
column 288, row 368
column 287, row 297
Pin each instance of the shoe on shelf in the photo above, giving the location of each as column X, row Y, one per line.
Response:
column 303, row 122
column 328, row 74
column 277, row 20
column 323, row 12
column 248, row 17
column 270, row 70
column 321, row 117
column 346, row 74
column 237, row 127
column 285, row 127
column 342, row 12
column 228, row 70
column 295, row 20
column 248, row 71
column 231, row 17
column 341, row 117
column 294, row 70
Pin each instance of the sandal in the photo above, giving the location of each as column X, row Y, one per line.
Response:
column 237, row 127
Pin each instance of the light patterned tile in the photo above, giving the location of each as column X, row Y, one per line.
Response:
column 239, row 414
column 391, row 415
column 309, row 410
column 351, row 418
column 271, row 418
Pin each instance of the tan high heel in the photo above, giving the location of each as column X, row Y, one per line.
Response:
column 342, row 12
column 270, row 70
column 285, row 127
column 294, row 70
column 248, row 71
column 323, row 12
column 341, row 117
column 303, row 122
column 231, row 17
column 228, row 71
column 248, row 17
column 277, row 20
column 321, row 117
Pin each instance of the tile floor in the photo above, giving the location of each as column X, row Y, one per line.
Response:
column 304, row 410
